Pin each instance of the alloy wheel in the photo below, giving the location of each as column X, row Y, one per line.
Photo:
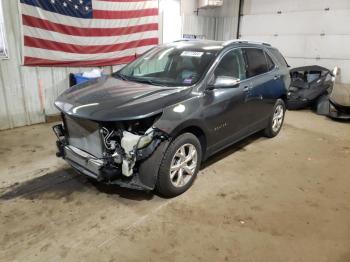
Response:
column 277, row 118
column 183, row 165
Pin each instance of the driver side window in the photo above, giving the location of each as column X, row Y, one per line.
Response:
column 232, row 65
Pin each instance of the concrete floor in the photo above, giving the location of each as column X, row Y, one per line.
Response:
column 282, row 199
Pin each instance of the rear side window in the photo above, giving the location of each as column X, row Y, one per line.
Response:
column 256, row 61
column 270, row 63
column 280, row 59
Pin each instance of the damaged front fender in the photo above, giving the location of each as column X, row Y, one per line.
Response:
column 149, row 168
column 139, row 147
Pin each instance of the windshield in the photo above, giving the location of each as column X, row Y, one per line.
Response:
column 169, row 66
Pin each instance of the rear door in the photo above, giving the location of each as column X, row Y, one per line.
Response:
column 265, row 78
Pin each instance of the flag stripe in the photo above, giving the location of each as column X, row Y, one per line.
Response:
column 59, row 55
column 103, row 14
column 86, row 40
column 85, row 49
column 123, row 6
column 85, row 23
column 71, row 30
column 46, row 62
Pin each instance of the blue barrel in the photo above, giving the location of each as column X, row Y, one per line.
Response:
column 79, row 78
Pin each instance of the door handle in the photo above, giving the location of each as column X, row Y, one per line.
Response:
column 276, row 77
column 247, row 88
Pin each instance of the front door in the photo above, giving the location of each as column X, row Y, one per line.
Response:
column 224, row 108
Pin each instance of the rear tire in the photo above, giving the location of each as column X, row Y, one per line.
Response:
column 276, row 119
column 179, row 166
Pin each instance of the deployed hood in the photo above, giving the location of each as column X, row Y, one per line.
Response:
column 112, row 99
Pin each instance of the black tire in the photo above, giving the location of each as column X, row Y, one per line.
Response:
column 165, row 186
column 269, row 131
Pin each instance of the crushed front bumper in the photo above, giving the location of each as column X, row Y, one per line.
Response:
column 95, row 168
column 84, row 162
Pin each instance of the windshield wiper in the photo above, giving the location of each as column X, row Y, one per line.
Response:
column 149, row 81
column 139, row 80
column 146, row 81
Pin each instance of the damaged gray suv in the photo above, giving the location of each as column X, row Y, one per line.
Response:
column 151, row 124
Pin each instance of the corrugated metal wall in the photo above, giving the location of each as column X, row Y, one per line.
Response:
column 212, row 28
column 199, row 25
column 218, row 23
column 306, row 32
column 226, row 28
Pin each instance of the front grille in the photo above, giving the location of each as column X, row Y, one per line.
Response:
column 85, row 135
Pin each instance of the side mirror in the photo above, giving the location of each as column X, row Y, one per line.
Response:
column 224, row 82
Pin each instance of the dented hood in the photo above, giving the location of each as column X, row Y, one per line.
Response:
column 112, row 99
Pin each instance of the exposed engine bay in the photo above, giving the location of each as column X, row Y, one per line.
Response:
column 124, row 146
column 108, row 151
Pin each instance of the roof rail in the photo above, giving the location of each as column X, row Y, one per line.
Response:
column 245, row 42
column 186, row 40
column 181, row 40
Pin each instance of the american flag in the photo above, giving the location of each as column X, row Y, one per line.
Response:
column 87, row 32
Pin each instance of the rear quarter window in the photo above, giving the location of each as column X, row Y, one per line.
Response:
column 280, row 59
column 258, row 61
column 270, row 63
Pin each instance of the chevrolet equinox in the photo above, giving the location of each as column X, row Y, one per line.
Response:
column 151, row 124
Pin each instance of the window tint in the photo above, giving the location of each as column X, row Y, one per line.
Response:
column 270, row 63
column 232, row 65
column 279, row 57
column 256, row 62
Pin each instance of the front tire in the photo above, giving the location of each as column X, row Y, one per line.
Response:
column 276, row 119
column 179, row 166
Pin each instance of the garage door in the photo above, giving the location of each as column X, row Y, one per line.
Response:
column 306, row 32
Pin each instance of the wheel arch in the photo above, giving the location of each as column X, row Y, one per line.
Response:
column 284, row 98
column 146, row 168
column 198, row 132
